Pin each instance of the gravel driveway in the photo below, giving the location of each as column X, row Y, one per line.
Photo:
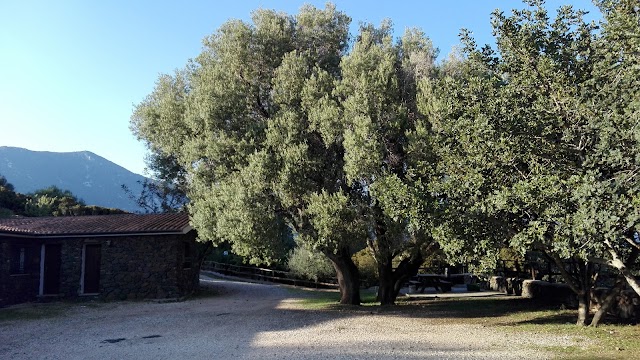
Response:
column 253, row 321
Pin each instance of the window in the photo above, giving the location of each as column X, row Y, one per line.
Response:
column 19, row 259
column 186, row 264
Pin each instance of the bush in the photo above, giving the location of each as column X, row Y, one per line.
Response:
column 367, row 267
column 5, row 213
column 310, row 264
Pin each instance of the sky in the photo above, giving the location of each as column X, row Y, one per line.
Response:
column 71, row 72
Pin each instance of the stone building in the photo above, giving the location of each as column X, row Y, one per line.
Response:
column 105, row 256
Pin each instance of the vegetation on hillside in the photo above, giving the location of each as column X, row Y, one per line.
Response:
column 51, row 201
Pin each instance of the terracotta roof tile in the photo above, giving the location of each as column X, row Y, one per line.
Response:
column 96, row 224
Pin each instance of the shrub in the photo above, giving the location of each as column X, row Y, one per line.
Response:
column 367, row 267
column 310, row 264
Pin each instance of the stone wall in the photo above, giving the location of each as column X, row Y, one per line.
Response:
column 132, row 267
column 4, row 272
column 71, row 266
column 147, row 267
column 507, row 285
column 188, row 279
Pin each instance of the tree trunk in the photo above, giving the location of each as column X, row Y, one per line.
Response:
column 386, row 282
column 584, row 300
column 622, row 267
column 406, row 269
column 386, row 285
column 384, row 250
column 631, row 279
column 585, row 272
column 348, row 277
column 617, row 262
column 202, row 254
column 390, row 281
column 608, row 301
column 579, row 282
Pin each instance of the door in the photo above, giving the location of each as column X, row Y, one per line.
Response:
column 91, row 268
column 51, row 274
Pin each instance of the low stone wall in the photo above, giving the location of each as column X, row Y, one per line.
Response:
column 463, row 279
column 510, row 286
column 549, row 293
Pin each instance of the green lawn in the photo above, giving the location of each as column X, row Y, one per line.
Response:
column 33, row 312
column 318, row 300
column 611, row 340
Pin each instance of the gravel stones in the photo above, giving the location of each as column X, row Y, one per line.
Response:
column 255, row 321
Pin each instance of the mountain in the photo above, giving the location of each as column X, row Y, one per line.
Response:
column 92, row 178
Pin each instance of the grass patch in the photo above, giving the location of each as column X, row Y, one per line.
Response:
column 479, row 309
column 28, row 312
column 608, row 341
column 320, row 301
column 326, row 300
column 513, row 314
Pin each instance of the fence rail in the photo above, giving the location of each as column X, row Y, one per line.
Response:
column 261, row 274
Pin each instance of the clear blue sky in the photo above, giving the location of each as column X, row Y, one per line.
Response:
column 71, row 71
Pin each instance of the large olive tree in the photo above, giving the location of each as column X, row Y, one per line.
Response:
column 245, row 120
column 285, row 132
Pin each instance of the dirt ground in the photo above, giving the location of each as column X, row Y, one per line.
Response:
column 237, row 320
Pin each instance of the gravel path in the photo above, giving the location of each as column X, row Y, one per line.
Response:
column 253, row 321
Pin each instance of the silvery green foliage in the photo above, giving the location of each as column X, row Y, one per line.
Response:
column 281, row 127
column 250, row 120
column 379, row 87
column 310, row 264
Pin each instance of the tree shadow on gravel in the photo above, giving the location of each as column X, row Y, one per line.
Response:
column 464, row 308
column 499, row 310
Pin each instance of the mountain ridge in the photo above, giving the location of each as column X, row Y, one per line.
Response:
column 91, row 177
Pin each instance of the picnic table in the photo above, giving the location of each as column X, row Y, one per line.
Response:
column 438, row 282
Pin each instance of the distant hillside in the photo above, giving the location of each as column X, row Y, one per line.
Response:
column 88, row 176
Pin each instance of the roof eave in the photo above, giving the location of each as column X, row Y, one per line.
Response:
column 185, row 230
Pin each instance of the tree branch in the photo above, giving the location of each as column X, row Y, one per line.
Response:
column 565, row 274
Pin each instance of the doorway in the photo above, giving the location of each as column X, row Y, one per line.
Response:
column 91, row 270
column 52, row 254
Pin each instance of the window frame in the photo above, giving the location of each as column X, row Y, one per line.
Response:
column 187, row 255
column 19, row 259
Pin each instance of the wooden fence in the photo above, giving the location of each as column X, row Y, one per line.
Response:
column 261, row 274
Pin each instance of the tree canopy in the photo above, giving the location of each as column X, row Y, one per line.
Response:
column 242, row 120
column 288, row 128
column 540, row 139
column 285, row 131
